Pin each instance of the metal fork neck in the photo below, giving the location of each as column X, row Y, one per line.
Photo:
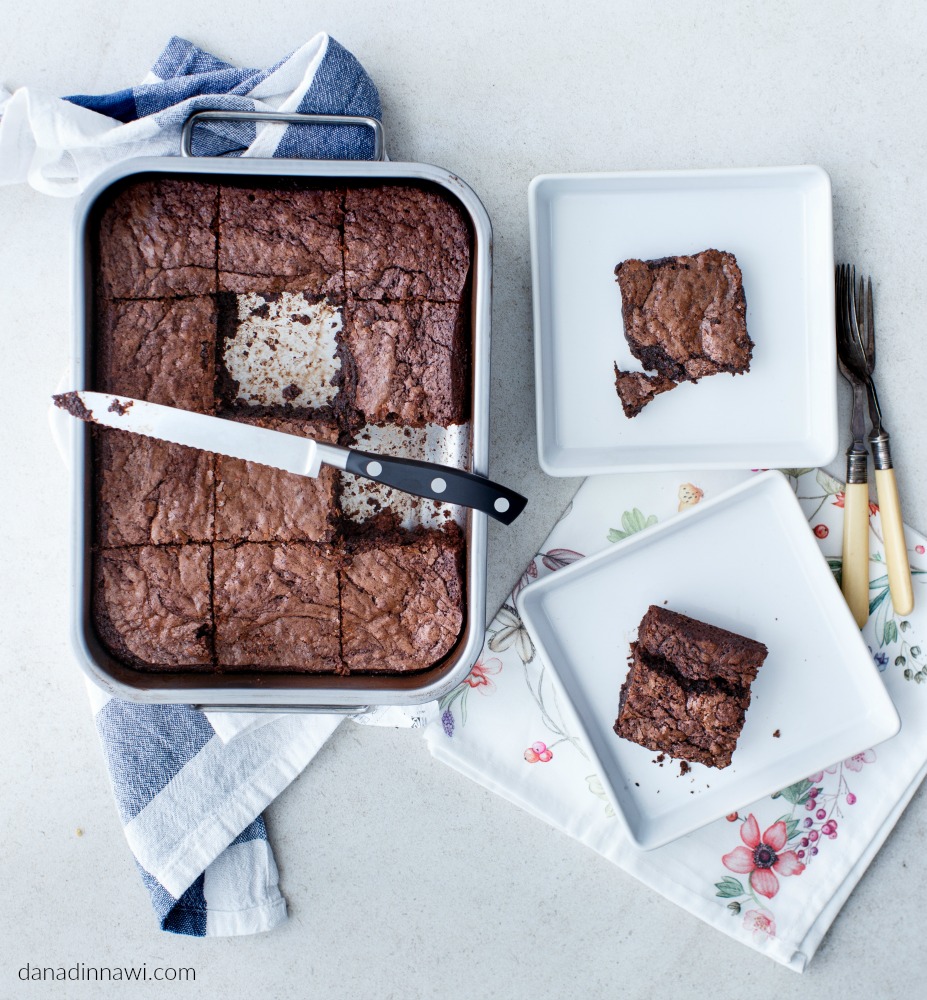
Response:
column 857, row 459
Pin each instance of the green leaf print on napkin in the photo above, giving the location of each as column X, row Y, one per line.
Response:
column 632, row 521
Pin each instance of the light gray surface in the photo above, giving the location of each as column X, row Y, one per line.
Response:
column 404, row 879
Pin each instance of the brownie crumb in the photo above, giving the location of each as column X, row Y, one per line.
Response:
column 684, row 768
column 73, row 404
column 121, row 408
column 290, row 392
column 777, row 734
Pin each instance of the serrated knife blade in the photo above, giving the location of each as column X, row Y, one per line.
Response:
column 300, row 455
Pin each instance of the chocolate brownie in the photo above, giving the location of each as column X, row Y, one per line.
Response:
column 251, row 567
column 410, row 359
column 685, row 317
column 150, row 491
column 691, row 720
column 404, row 242
column 688, row 688
column 636, row 390
column 281, row 240
column 256, row 503
column 698, row 650
column 276, row 606
column 161, row 350
column 157, row 239
column 402, row 600
column 151, row 604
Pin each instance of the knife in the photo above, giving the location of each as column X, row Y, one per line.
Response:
column 300, row 455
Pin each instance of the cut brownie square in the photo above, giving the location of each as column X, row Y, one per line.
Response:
column 410, row 361
column 275, row 240
column 404, row 242
column 158, row 239
column 276, row 607
column 698, row 650
column 256, row 503
column 151, row 604
column 689, row 720
column 636, row 390
column 150, row 491
column 685, row 317
column 161, row 350
column 402, row 600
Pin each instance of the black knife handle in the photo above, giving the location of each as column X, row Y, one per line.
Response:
column 438, row 482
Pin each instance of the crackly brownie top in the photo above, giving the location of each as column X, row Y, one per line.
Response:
column 698, row 650
column 161, row 350
column 401, row 600
column 410, row 361
column 636, row 390
column 687, row 719
column 152, row 606
column 404, row 242
column 274, row 240
column 685, row 317
column 158, row 239
column 256, row 503
column 150, row 491
column 276, row 606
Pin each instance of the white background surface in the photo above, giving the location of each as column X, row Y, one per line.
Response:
column 403, row 879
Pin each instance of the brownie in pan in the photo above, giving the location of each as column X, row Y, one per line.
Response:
column 336, row 313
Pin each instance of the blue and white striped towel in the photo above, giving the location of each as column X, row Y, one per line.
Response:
column 59, row 144
column 190, row 789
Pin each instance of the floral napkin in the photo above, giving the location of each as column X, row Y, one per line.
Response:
column 773, row 874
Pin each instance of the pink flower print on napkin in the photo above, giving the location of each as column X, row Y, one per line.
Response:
column 855, row 763
column 761, row 922
column 761, row 858
column 479, row 676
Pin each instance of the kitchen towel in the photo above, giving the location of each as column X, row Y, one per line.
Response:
column 190, row 797
column 508, row 728
column 58, row 145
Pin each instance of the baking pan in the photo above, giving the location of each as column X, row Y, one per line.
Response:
column 257, row 690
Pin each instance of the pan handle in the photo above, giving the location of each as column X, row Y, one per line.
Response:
column 294, row 118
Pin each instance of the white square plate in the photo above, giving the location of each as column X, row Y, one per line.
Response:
column 745, row 561
column 778, row 223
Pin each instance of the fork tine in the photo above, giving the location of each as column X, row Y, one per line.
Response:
column 870, row 328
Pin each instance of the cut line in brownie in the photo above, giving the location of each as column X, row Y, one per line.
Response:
column 157, row 239
column 281, row 238
column 688, row 688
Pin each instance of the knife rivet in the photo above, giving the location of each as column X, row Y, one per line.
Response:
column 438, row 485
column 374, row 468
column 501, row 505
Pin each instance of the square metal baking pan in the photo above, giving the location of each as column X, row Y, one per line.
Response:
column 257, row 690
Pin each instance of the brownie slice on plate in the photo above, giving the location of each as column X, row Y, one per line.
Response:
column 688, row 689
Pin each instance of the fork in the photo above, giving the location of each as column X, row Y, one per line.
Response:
column 855, row 571
column 862, row 363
